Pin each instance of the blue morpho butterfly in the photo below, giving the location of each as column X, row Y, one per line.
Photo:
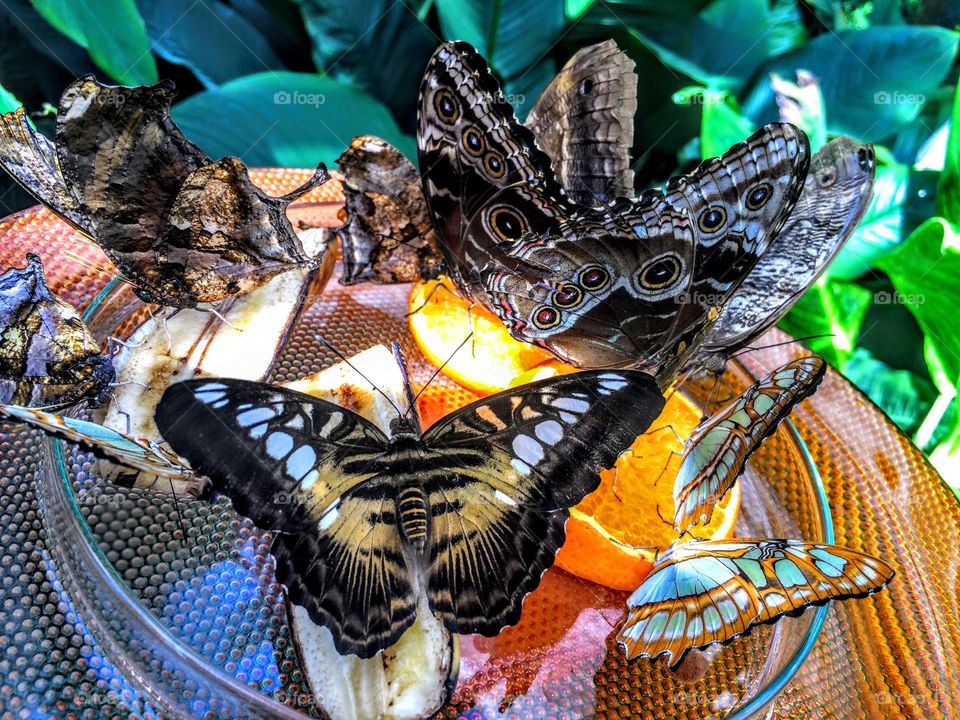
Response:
column 701, row 593
column 717, row 450
column 472, row 510
column 135, row 453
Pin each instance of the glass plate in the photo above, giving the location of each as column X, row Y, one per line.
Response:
column 199, row 626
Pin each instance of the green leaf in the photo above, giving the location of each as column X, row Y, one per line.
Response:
column 721, row 47
column 378, row 45
column 512, row 35
column 903, row 396
column 902, row 199
column 722, row 125
column 285, row 119
column 948, row 189
column 874, row 81
column 208, row 37
column 925, row 271
column 112, row 31
column 8, row 101
column 830, row 308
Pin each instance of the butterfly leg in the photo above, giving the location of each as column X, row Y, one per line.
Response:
column 435, row 288
column 222, row 319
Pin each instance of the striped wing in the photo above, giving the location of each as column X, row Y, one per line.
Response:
column 136, row 453
column 706, row 592
column 501, row 475
column 718, row 448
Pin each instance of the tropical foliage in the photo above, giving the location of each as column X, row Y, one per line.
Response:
column 289, row 83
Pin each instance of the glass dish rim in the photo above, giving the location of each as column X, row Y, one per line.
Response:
column 58, row 497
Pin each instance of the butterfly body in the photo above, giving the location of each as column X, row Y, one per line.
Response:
column 716, row 452
column 473, row 510
column 628, row 283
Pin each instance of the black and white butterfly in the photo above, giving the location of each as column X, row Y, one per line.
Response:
column 473, row 510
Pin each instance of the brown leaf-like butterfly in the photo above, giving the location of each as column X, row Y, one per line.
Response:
column 628, row 283
column 48, row 358
column 182, row 228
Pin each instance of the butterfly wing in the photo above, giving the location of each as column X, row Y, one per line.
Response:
column 707, row 592
column 584, row 121
column 31, row 160
column 131, row 452
column 835, row 196
column 501, row 475
column 718, row 449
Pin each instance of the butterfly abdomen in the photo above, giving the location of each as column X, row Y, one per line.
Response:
column 412, row 511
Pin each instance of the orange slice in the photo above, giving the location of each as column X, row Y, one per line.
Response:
column 614, row 533
column 491, row 360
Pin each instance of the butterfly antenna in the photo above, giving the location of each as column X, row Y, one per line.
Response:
column 750, row 349
column 176, row 506
column 353, row 367
column 409, row 395
column 222, row 318
column 90, row 264
column 439, row 369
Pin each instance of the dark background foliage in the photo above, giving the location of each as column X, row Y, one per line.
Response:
column 289, row 83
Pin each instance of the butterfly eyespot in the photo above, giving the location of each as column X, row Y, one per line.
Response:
column 712, row 219
column 472, row 141
column 827, row 178
column 660, row 272
column 546, row 318
column 758, row 196
column 586, row 87
column 493, row 164
column 507, row 224
column 445, row 105
column 567, row 296
column 593, row 277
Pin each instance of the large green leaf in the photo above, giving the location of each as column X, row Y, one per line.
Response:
column 925, row 271
column 8, row 101
column 902, row 395
column 834, row 309
column 722, row 124
column 512, row 35
column 379, row 45
column 948, row 189
column 902, row 199
column 112, row 31
column 874, row 81
column 720, row 47
column 208, row 37
column 286, row 119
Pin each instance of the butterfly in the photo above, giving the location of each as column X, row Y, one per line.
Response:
column 629, row 283
column 711, row 591
column 184, row 229
column 473, row 510
column 835, row 197
column 47, row 355
column 583, row 120
column 136, row 453
column 716, row 452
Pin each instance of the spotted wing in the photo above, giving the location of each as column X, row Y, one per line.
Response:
column 706, row 592
column 718, row 449
column 835, row 196
column 128, row 451
column 584, row 121
column 500, row 477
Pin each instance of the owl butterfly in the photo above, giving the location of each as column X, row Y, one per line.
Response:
column 583, row 120
column 182, row 228
column 717, row 450
column 700, row 593
column 629, row 283
column 473, row 510
column 835, row 196
column 47, row 355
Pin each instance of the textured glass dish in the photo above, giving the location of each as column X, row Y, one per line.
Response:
column 199, row 625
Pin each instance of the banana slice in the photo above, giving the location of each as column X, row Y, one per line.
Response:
column 416, row 676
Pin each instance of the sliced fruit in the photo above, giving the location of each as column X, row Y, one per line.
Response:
column 614, row 533
column 488, row 362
